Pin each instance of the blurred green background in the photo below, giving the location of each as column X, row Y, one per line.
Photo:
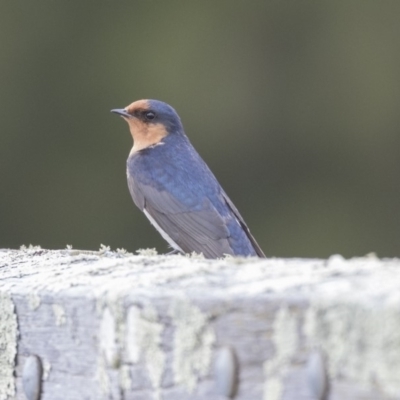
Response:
column 293, row 104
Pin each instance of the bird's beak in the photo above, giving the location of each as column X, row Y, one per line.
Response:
column 122, row 112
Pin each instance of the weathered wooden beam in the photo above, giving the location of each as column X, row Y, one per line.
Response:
column 109, row 325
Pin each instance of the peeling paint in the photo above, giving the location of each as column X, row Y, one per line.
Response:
column 273, row 388
column 34, row 301
column 125, row 381
column 111, row 330
column 285, row 338
column 102, row 377
column 143, row 338
column 108, row 339
column 8, row 346
column 193, row 342
column 46, row 369
column 59, row 314
column 362, row 342
column 147, row 252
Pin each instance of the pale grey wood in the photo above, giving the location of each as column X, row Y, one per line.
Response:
column 109, row 325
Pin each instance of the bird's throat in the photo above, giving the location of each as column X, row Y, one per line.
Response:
column 145, row 135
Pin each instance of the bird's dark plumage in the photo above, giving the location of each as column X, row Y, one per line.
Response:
column 173, row 186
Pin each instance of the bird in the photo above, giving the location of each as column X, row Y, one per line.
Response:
column 176, row 190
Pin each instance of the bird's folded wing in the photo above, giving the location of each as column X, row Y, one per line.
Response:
column 201, row 229
column 240, row 219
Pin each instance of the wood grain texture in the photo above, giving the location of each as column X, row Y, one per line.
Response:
column 108, row 325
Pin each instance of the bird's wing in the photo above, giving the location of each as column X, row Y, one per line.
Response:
column 240, row 219
column 203, row 231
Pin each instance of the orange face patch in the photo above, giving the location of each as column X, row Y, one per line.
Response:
column 144, row 134
column 137, row 105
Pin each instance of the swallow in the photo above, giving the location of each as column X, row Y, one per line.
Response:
column 178, row 193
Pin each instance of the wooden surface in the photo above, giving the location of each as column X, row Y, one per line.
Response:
column 108, row 325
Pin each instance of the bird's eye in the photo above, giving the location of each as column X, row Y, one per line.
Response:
column 150, row 115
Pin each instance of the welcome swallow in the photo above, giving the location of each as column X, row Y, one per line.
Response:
column 173, row 186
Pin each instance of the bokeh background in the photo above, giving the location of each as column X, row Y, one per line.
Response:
column 295, row 106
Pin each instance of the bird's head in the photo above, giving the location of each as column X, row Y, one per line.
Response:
column 149, row 122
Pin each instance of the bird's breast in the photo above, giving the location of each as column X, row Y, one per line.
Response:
column 178, row 169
